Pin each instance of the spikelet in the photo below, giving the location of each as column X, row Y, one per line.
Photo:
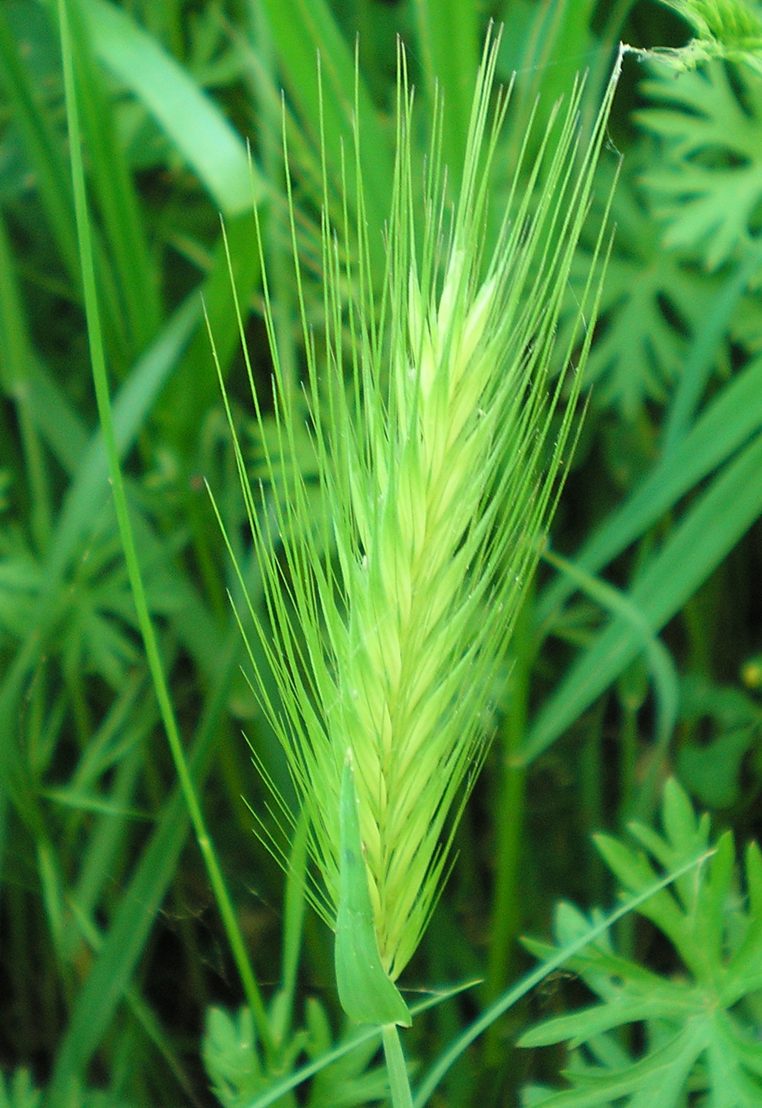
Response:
column 430, row 414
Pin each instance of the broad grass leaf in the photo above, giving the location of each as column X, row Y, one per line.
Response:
column 210, row 146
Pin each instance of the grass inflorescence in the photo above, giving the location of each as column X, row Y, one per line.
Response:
column 439, row 431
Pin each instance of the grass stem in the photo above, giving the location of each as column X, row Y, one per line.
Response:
column 396, row 1066
column 100, row 379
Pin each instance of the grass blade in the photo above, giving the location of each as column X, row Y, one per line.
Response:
column 193, row 123
column 232, row 929
column 449, row 72
column 705, row 536
column 724, row 426
column 305, row 32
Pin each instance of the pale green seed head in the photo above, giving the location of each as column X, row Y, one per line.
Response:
column 430, row 416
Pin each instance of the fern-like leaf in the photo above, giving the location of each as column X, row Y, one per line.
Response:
column 653, row 299
column 730, row 29
column 699, row 1023
column 707, row 186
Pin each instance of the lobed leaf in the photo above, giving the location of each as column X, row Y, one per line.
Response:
column 706, row 188
column 696, row 1033
column 652, row 299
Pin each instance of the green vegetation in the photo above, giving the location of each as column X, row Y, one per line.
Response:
column 157, row 876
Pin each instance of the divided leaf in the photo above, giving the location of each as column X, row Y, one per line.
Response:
column 698, row 1023
column 729, row 29
column 706, row 187
column 652, row 300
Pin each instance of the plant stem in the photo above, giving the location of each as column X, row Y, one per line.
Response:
column 396, row 1067
column 153, row 658
column 15, row 385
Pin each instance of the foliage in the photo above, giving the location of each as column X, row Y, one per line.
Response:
column 726, row 20
column 729, row 29
column 721, row 744
column 706, row 190
column 237, row 1075
column 18, row 1091
column 651, row 301
column 699, row 1022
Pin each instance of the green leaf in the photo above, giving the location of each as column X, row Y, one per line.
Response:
column 724, row 425
column 331, row 101
column 580, row 1026
column 588, row 943
column 229, row 1050
column 42, row 140
column 697, row 1033
column 95, row 1004
column 706, row 186
column 193, row 123
column 712, row 771
column 695, row 547
column 451, row 72
column 730, row 21
column 19, row 1091
column 679, row 818
column 648, row 293
column 366, row 992
column 727, row 29
column 723, row 726
column 651, row 300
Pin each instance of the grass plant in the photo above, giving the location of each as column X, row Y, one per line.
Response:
column 431, row 428
column 635, row 652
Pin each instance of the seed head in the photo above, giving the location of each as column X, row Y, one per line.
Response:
column 431, row 412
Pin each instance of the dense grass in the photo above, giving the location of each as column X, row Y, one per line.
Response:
column 637, row 654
